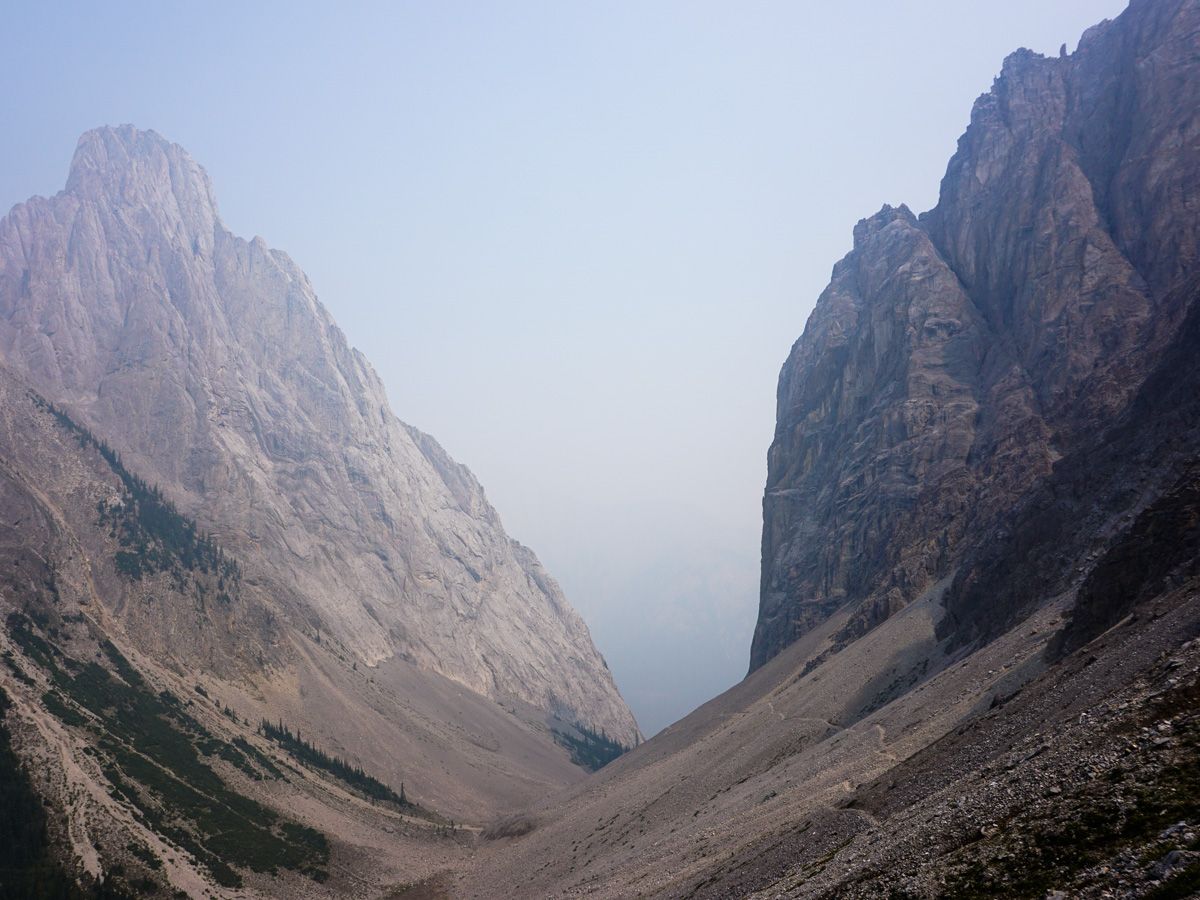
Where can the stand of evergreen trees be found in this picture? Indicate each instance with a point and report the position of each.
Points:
(154, 535)
(593, 750)
(334, 765)
(29, 869)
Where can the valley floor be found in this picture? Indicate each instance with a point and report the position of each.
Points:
(995, 777)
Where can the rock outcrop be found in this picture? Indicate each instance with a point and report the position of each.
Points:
(209, 365)
(962, 364)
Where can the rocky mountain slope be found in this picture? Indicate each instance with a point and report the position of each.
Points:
(976, 669)
(260, 637)
(207, 362)
(153, 692)
(958, 360)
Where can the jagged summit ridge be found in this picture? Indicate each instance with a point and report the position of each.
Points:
(117, 162)
(210, 364)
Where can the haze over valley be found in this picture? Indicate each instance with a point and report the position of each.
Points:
(575, 244)
(266, 635)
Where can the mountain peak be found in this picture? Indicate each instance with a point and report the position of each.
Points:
(214, 369)
(945, 378)
(127, 166)
(882, 219)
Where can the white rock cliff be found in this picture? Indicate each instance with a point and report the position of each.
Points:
(209, 364)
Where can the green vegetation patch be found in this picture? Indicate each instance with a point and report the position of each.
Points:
(145, 854)
(352, 775)
(56, 706)
(154, 536)
(154, 759)
(260, 759)
(29, 868)
(11, 664)
(1128, 809)
(592, 750)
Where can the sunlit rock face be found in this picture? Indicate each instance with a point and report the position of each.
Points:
(209, 364)
(961, 363)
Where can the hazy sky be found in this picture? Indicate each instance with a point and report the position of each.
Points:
(576, 239)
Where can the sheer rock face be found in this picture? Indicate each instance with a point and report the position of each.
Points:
(957, 358)
(209, 364)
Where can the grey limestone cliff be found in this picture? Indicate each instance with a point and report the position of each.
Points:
(960, 359)
(209, 364)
